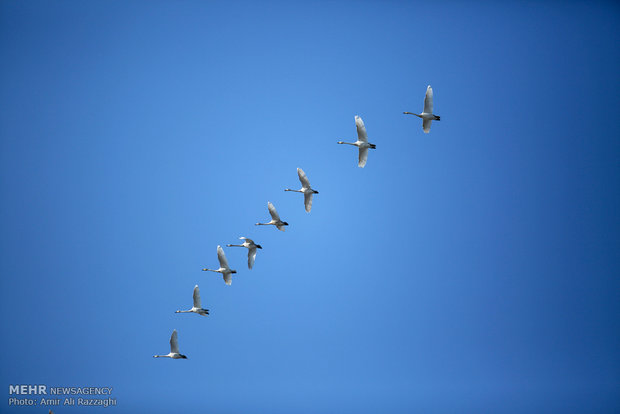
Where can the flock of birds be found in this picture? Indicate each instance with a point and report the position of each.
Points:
(362, 144)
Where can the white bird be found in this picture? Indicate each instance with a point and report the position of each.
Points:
(275, 218)
(251, 246)
(197, 308)
(427, 115)
(307, 191)
(224, 269)
(174, 348)
(361, 143)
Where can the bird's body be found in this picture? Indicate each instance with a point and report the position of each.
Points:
(307, 191)
(275, 218)
(362, 142)
(427, 115)
(224, 269)
(174, 348)
(251, 246)
(197, 308)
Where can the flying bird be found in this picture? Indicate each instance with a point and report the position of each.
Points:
(307, 191)
(361, 143)
(427, 115)
(224, 269)
(197, 308)
(275, 218)
(174, 348)
(251, 246)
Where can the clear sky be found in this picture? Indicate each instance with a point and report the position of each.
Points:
(472, 269)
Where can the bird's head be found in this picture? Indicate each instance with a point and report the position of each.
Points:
(233, 271)
(284, 223)
(340, 142)
(259, 246)
(315, 192)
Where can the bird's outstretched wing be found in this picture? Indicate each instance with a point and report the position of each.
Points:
(361, 129)
(281, 228)
(222, 258)
(426, 125)
(174, 342)
(251, 256)
(227, 278)
(428, 100)
(363, 156)
(196, 297)
(272, 211)
(305, 183)
(308, 201)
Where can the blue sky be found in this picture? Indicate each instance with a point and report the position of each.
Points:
(473, 269)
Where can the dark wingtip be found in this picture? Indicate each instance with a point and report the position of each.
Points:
(259, 246)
